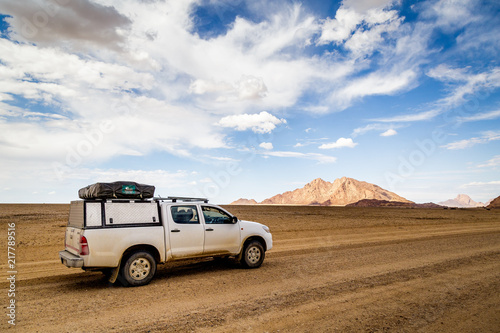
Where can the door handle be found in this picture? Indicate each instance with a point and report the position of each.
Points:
(209, 229)
(175, 230)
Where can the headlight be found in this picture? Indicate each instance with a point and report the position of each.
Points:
(266, 229)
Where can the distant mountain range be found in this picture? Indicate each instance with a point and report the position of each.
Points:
(385, 203)
(348, 191)
(242, 201)
(341, 192)
(462, 201)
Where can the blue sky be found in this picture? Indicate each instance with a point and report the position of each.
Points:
(229, 99)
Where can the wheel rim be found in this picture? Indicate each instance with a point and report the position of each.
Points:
(139, 269)
(253, 254)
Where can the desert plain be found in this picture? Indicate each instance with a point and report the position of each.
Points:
(332, 269)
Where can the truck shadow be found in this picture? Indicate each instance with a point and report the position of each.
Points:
(189, 267)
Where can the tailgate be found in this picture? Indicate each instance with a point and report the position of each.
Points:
(74, 230)
(72, 240)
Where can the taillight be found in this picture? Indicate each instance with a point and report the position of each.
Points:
(84, 246)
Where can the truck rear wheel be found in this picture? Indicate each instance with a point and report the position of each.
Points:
(139, 269)
(253, 255)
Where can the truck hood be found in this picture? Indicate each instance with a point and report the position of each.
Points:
(250, 223)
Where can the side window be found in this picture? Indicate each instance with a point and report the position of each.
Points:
(214, 215)
(184, 214)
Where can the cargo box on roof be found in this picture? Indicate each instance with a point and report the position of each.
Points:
(117, 190)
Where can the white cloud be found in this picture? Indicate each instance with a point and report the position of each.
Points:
(339, 29)
(374, 127)
(465, 83)
(340, 143)
(494, 162)
(474, 184)
(462, 84)
(481, 116)
(263, 122)
(467, 143)
(311, 156)
(68, 23)
(426, 115)
(450, 15)
(376, 83)
(389, 132)
(246, 88)
(347, 25)
(266, 145)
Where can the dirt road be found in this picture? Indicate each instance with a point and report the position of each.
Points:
(332, 269)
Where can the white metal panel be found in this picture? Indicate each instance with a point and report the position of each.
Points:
(93, 212)
(119, 213)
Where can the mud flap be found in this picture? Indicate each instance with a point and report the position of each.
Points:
(114, 274)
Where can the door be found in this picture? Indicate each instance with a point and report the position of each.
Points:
(221, 234)
(186, 231)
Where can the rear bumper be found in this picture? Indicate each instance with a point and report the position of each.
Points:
(70, 260)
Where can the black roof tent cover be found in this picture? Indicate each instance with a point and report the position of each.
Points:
(117, 190)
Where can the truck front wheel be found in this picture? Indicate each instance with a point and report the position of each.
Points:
(253, 255)
(139, 269)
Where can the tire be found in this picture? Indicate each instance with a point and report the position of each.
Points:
(138, 270)
(253, 255)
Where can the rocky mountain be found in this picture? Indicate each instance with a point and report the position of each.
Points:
(341, 192)
(461, 201)
(495, 203)
(242, 201)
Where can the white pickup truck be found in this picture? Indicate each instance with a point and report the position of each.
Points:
(126, 239)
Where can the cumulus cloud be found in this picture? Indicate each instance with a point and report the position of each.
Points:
(263, 122)
(360, 26)
(246, 88)
(389, 132)
(340, 143)
(66, 23)
(450, 15)
(266, 145)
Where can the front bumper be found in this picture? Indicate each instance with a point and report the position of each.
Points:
(70, 260)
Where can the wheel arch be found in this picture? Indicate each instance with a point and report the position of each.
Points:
(142, 247)
(254, 238)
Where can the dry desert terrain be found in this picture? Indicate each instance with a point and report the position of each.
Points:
(332, 269)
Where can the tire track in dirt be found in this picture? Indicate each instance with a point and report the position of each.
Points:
(246, 309)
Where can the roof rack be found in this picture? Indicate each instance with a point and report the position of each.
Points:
(185, 199)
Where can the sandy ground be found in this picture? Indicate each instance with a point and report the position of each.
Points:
(332, 269)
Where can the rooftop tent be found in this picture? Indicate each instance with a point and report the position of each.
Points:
(117, 190)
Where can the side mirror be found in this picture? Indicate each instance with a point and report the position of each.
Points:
(234, 219)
